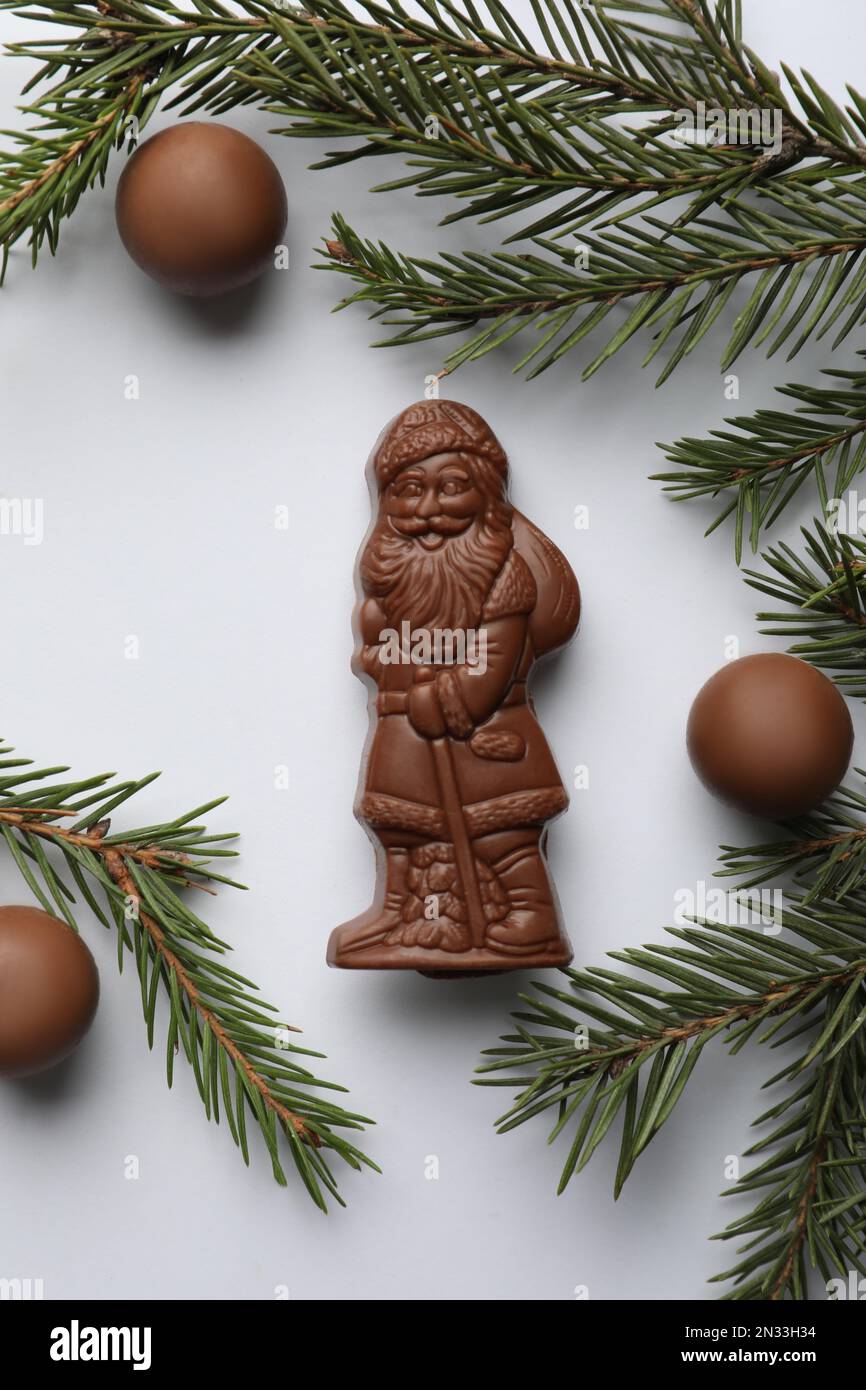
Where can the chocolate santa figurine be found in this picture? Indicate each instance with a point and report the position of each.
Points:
(459, 595)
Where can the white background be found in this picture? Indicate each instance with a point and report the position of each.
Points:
(159, 522)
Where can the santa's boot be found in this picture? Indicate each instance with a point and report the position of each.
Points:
(531, 927)
(372, 927)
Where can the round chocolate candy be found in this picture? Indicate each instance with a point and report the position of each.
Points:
(770, 735)
(201, 208)
(49, 990)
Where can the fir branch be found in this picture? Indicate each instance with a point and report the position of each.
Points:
(54, 163)
(824, 853)
(679, 282)
(615, 1045)
(514, 127)
(582, 134)
(826, 592)
(241, 1055)
(811, 1177)
(764, 459)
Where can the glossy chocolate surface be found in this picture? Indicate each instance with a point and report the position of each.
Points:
(458, 596)
(201, 208)
(770, 735)
(49, 990)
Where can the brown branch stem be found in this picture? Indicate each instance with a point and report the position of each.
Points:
(472, 311)
(63, 161)
(615, 1059)
(116, 858)
(149, 856)
(116, 866)
(801, 1220)
(815, 846)
(799, 455)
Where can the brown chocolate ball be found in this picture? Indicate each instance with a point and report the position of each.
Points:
(201, 207)
(49, 990)
(770, 735)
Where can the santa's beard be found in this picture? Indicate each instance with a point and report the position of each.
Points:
(444, 588)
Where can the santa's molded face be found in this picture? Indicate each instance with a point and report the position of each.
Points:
(433, 500)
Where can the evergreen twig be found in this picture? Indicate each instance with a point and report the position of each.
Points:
(574, 128)
(676, 281)
(613, 1047)
(242, 1056)
(826, 595)
(764, 459)
(824, 853)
